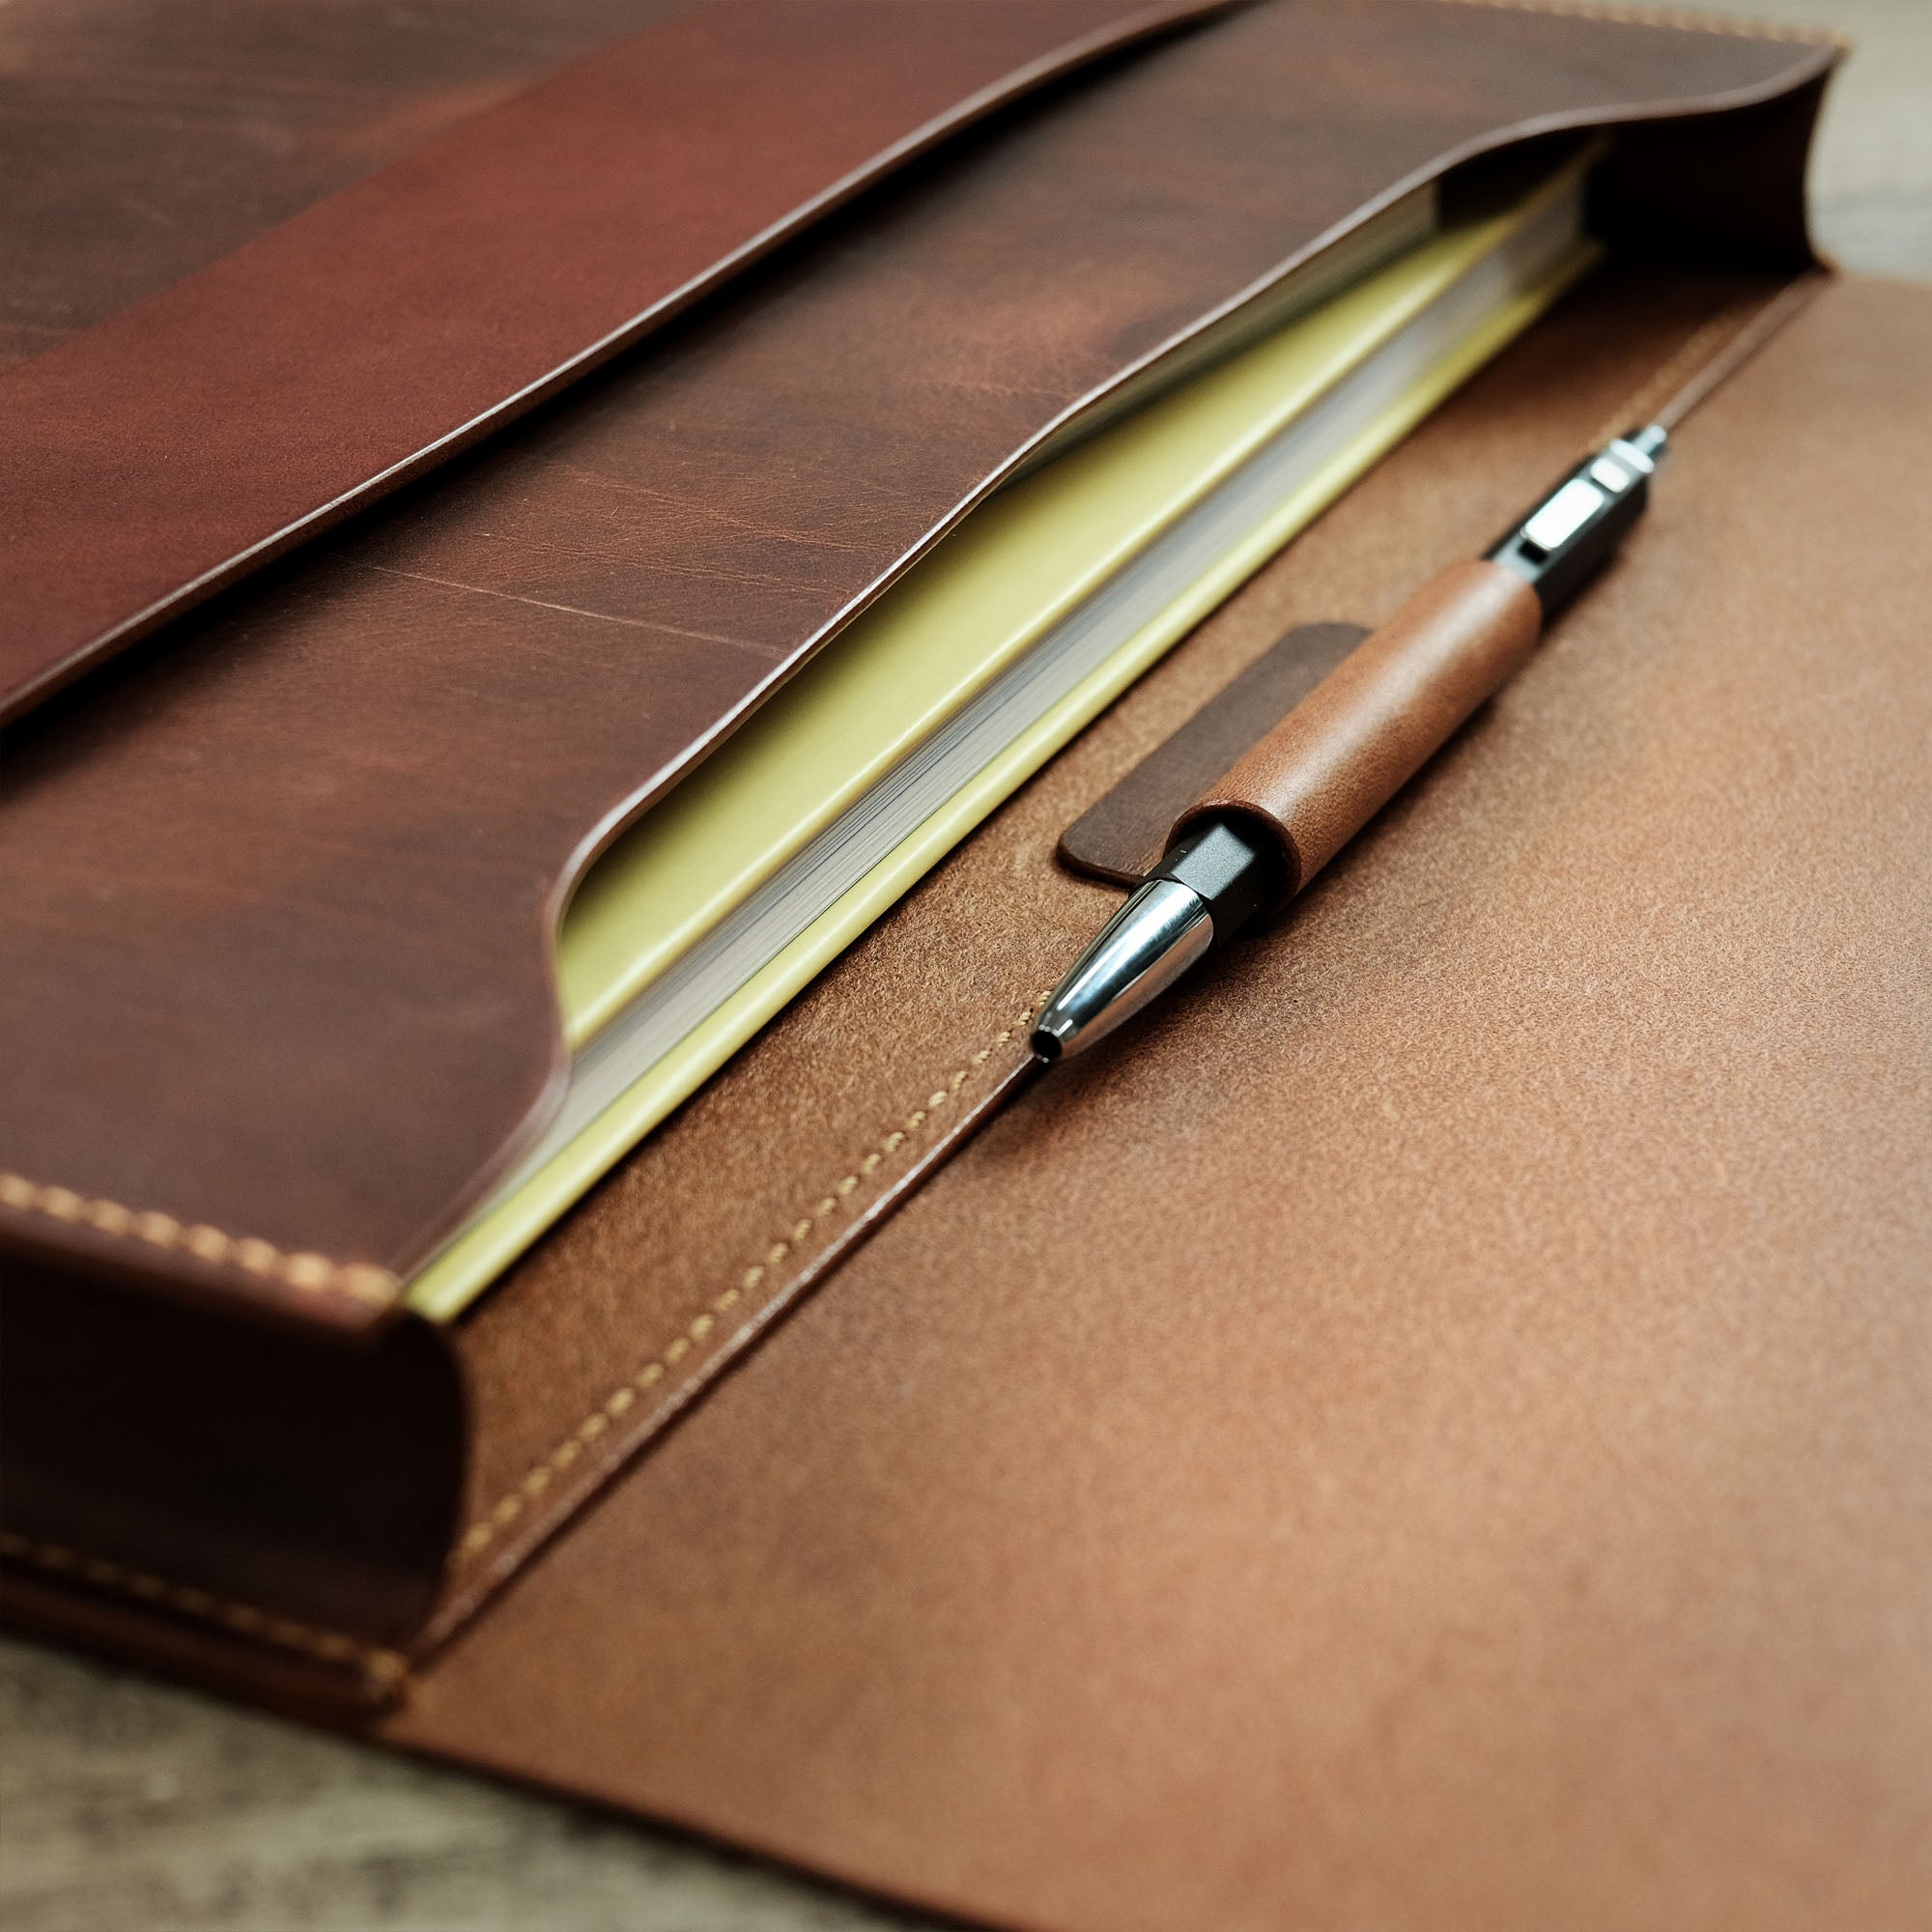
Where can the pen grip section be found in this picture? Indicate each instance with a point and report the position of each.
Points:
(1359, 736)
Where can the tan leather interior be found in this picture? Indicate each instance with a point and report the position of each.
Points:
(1430, 1427)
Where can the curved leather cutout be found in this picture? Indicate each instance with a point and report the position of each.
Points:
(341, 819)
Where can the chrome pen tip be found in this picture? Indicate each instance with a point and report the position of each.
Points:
(1651, 442)
(1053, 1032)
(1160, 932)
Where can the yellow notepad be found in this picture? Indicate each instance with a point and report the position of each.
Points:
(973, 609)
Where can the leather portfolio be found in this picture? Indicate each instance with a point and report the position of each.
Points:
(1429, 1427)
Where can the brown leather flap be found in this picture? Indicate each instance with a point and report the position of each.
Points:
(279, 903)
(169, 450)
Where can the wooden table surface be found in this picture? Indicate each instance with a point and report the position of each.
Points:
(130, 1805)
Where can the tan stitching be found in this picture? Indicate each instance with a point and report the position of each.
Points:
(312, 1273)
(1665, 16)
(1713, 355)
(486, 1529)
(1660, 386)
(384, 1668)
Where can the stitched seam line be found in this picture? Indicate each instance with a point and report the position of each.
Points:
(699, 1330)
(312, 1273)
(1665, 16)
(384, 1668)
(1660, 386)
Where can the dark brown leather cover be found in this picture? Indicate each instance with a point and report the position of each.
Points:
(168, 450)
(296, 1479)
(293, 1010)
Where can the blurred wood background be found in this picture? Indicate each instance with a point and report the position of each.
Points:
(130, 1805)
